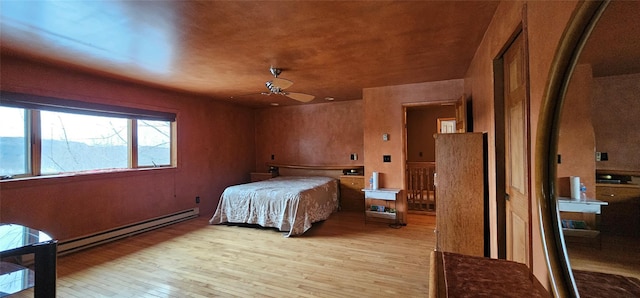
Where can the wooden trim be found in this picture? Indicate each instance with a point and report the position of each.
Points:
(446, 102)
(133, 143)
(48, 103)
(618, 172)
(500, 142)
(437, 284)
(527, 115)
(174, 143)
(499, 145)
(316, 167)
(35, 160)
(59, 179)
(333, 171)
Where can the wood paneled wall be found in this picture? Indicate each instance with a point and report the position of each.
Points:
(317, 134)
(214, 141)
(383, 113)
(421, 125)
(577, 142)
(615, 112)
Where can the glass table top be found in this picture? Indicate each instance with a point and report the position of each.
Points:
(13, 277)
(14, 236)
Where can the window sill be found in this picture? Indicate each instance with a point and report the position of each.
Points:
(31, 181)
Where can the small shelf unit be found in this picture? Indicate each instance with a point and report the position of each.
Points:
(388, 197)
(589, 209)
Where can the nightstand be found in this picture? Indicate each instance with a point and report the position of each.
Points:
(261, 176)
(381, 203)
(583, 211)
(351, 195)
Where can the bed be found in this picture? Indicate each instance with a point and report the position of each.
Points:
(289, 203)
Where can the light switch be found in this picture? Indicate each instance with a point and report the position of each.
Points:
(385, 137)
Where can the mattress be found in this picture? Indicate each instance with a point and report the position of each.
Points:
(289, 203)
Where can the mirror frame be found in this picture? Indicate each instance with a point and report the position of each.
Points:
(581, 23)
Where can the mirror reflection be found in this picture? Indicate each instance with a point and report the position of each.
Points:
(599, 149)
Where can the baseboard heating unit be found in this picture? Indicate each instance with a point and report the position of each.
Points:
(76, 244)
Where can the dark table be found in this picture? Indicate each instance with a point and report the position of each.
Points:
(17, 240)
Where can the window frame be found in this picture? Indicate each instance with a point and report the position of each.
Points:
(134, 151)
(33, 104)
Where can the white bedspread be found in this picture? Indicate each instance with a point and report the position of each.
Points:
(289, 203)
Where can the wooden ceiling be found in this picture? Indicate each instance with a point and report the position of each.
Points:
(223, 49)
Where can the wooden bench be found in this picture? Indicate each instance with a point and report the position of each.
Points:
(456, 275)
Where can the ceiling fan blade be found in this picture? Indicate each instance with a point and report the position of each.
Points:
(300, 96)
(247, 94)
(281, 83)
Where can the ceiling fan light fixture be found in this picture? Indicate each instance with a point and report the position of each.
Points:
(275, 71)
(277, 85)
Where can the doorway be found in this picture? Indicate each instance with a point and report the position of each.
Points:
(421, 122)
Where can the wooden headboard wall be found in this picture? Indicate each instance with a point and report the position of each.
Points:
(334, 171)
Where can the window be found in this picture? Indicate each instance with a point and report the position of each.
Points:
(14, 145)
(71, 136)
(73, 143)
(154, 143)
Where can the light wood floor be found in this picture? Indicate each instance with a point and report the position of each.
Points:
(617, 255)
(341, 257)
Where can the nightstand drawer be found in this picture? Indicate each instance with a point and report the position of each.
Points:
(351, 195)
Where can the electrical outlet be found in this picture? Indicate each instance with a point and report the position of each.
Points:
(386, 158)
(273, 156)
(197, 200)
(604, 156)
(559, 159)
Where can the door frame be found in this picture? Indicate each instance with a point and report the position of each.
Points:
(499, 134)
(405, 137)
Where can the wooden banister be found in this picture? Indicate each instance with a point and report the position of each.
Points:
(421, 191)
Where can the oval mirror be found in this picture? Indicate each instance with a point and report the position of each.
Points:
(589, 166)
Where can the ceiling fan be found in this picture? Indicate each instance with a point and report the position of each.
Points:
(277, 85)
